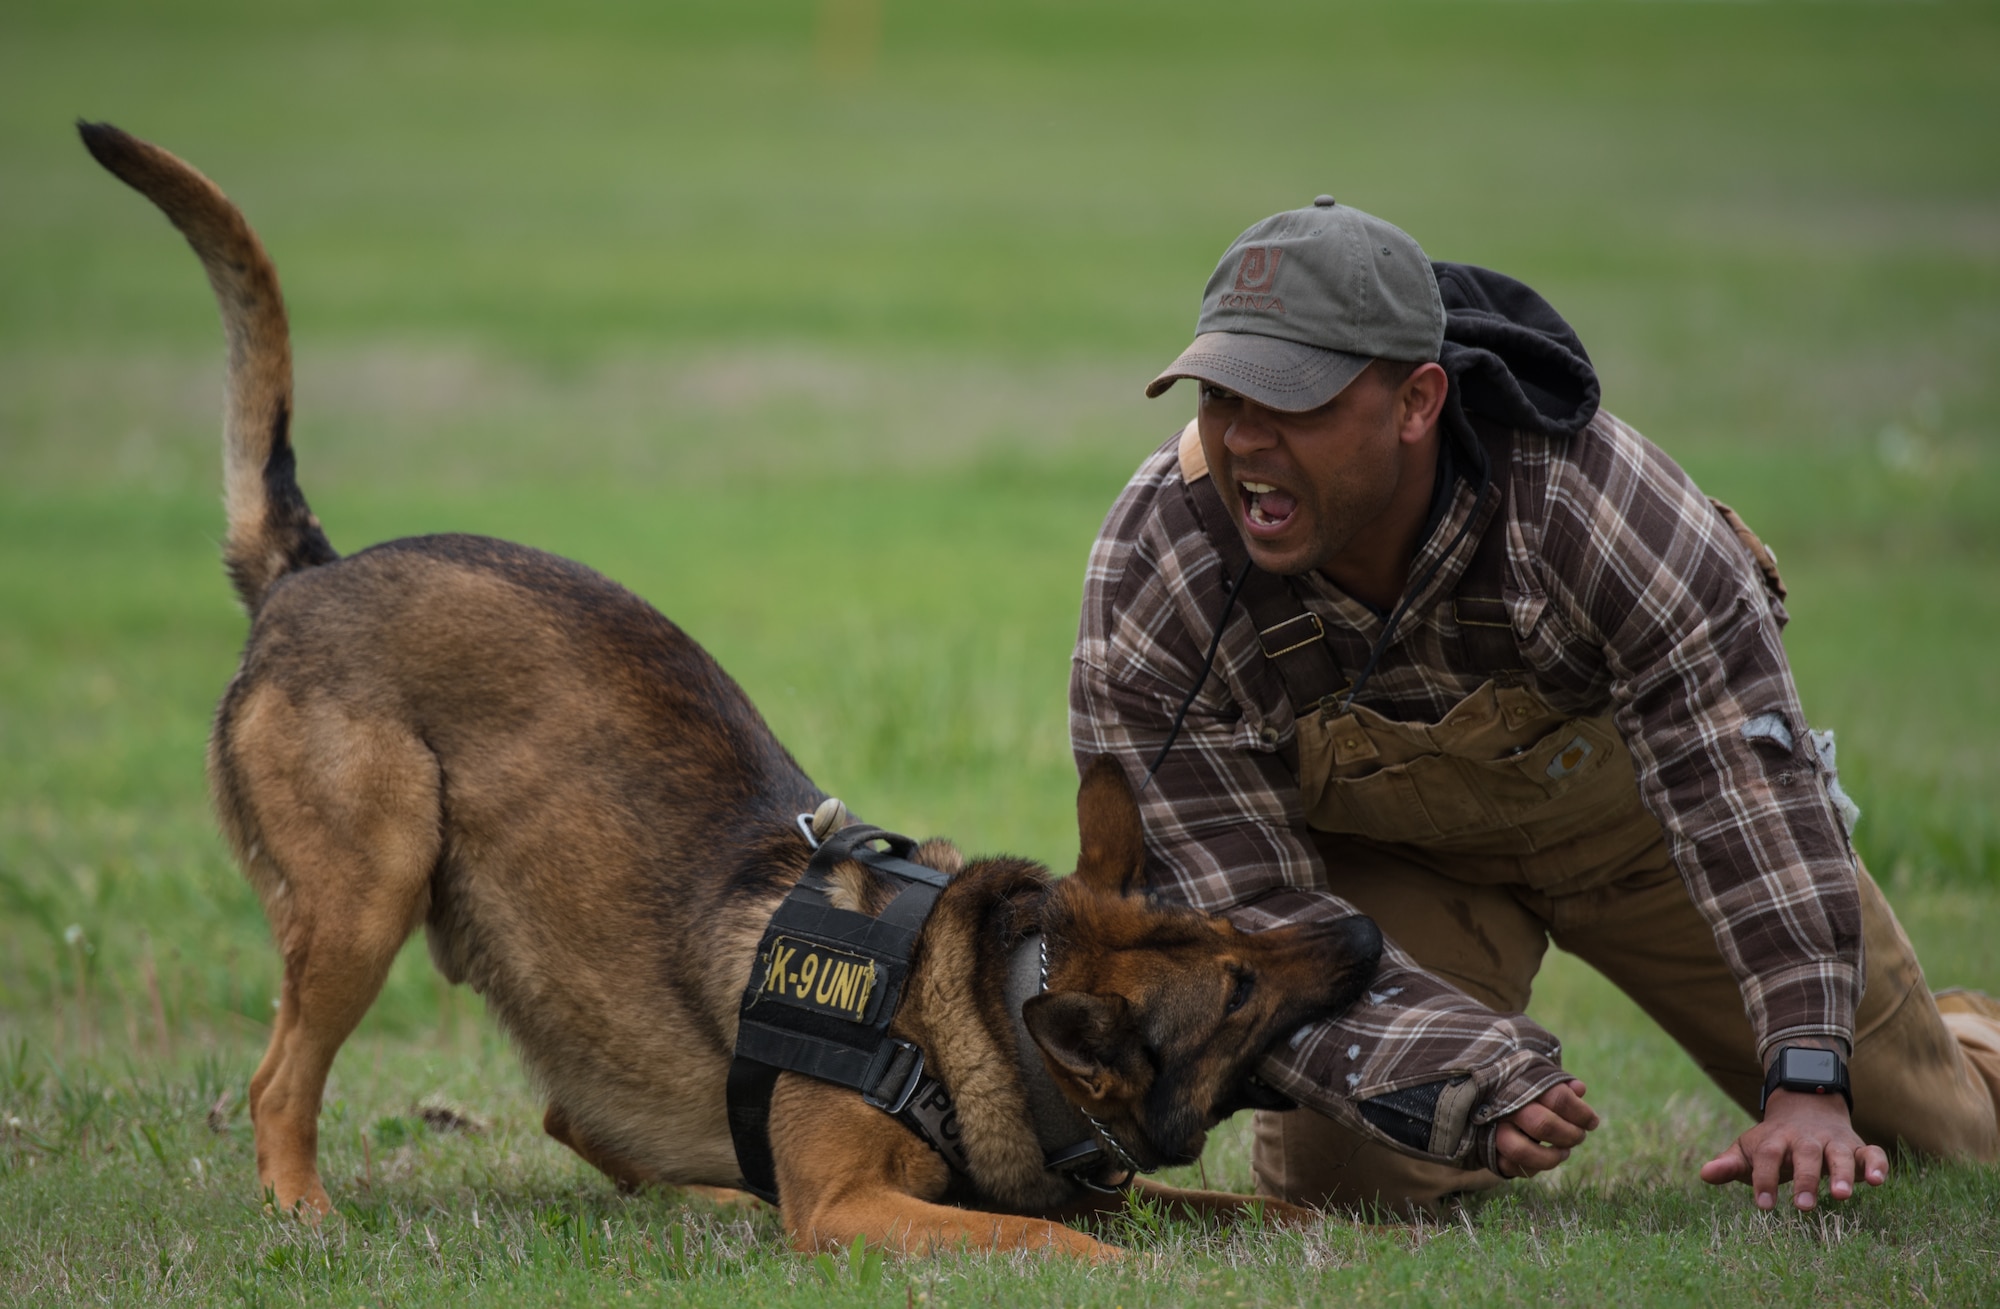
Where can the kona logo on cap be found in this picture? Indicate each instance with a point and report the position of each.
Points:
(1258, 268)
(1256, 275)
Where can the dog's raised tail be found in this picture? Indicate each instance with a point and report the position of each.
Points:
(272, 531)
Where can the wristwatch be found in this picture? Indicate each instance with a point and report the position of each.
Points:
(1808, 1071)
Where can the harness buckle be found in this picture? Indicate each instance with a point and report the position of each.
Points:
(1082, 1163)
(886, 1068)
(1318, 633)
(1070, 1158)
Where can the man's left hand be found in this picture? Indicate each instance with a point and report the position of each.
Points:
(1802, 1137)
(1539, 1135)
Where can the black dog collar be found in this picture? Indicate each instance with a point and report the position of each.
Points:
(1065, 1132)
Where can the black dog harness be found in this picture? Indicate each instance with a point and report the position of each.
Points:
(823, 992)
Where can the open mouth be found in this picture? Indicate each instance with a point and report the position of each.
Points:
(1265, 507)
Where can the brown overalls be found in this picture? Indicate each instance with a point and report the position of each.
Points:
(1476, 840)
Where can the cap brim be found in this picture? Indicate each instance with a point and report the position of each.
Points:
(1282, 375)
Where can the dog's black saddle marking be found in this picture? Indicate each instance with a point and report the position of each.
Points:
(823, 992)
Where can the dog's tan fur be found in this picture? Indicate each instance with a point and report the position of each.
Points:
(593, 825)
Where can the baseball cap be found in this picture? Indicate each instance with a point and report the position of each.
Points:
(1305, 300)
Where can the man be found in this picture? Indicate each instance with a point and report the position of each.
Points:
(1404, 623)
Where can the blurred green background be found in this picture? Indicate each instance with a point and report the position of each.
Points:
(823, 326)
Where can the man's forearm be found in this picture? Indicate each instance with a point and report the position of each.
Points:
(1223, 835)
(1419, 1066)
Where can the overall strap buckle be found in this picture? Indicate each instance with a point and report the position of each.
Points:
(1297, 639)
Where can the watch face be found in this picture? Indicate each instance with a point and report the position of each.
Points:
(1811, 1066)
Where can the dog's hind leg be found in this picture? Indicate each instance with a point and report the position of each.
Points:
(337, 819)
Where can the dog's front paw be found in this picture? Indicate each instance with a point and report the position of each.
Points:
(723, 1197)
(309, 1205)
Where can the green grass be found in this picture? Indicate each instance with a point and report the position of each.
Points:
(837, 360)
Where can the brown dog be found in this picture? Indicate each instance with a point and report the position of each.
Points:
(593, 825)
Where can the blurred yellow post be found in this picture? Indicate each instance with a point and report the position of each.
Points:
(850, 35)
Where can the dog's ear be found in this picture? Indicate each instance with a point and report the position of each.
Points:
(1113, 845)
(1086, 1036)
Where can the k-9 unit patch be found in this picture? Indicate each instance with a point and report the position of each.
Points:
(808, 975)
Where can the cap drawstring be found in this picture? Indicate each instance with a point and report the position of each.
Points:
(1207, 663)
(1375, 653)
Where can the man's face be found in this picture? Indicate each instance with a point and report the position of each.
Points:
(1302, 487)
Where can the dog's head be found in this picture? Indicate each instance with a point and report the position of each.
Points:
(1155, 1015)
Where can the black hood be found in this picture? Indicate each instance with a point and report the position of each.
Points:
(1511, 358)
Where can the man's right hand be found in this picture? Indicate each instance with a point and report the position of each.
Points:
(1539, 1135)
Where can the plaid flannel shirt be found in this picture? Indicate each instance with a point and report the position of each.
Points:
(1628, 592)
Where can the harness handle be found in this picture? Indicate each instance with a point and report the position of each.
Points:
(854, 842)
